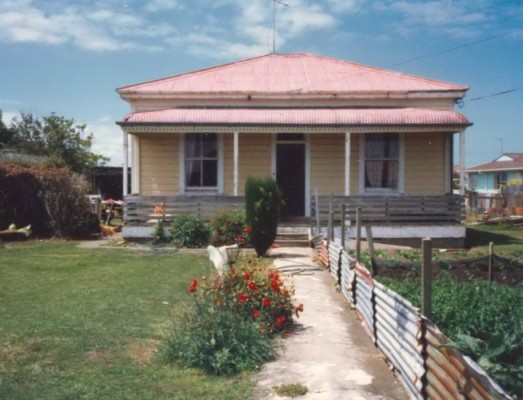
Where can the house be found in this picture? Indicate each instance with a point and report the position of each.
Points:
(492, 182)
(493, 177)
(319, 126)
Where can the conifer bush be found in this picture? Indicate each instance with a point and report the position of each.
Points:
(263, 202)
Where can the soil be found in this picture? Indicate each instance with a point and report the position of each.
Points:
(505, 270)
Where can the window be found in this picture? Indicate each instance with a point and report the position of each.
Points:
(201, 160)
(381, 161)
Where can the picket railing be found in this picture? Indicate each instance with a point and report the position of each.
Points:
(420, 354)
(143, 210)
(391, 210)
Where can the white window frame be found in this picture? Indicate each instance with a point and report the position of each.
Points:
(401, 168)
(207, 190)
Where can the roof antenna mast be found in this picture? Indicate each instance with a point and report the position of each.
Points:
(274, 5)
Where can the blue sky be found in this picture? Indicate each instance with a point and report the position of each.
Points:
(68, 57)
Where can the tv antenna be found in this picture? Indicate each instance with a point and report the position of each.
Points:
(275, 3)
(500, 144)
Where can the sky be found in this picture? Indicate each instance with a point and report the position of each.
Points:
(68, 57)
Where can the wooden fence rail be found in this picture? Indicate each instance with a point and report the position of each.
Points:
(142, 210)
(393, 209)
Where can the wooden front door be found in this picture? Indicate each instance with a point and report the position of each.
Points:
(290, 176)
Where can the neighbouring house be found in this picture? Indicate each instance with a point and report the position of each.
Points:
(494, 183)
(325, 129)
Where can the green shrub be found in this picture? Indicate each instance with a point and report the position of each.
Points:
(218, 341)
(263, 201)
(189, 231)
(21, 200)
(52, 200)
(65, 196)
(233, 318)
(226, 227)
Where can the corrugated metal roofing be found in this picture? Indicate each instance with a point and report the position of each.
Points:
(515, 164)
(336, 116)
(290, 74)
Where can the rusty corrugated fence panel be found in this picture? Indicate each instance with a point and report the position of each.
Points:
(334, 260)
(348, 277)
(399, 336)
(449, 371)
(324, 254)
(426, 366)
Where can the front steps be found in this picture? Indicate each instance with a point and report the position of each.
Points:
(293, 236)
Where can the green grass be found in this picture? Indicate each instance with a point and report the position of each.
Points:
(506, 238)
(87, 324)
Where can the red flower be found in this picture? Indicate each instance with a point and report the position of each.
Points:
(255, 314)
(262, 329)
(193, 286)
(248, 229)
(298, 310)
(239, 239)
(252, 285)
(242, 297)
(275, 286)
(246, 277)
(266, 302)
(280, 321)
(275, 276)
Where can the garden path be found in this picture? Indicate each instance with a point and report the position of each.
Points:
(328, 351)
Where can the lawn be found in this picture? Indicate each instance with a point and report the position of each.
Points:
(89, 324)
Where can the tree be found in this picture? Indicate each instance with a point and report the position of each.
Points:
(58, 138)
(6, 134)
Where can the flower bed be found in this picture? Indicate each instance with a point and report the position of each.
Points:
(233, 318)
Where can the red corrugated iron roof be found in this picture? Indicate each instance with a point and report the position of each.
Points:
(516, 163)
(291, 74)
(301, 116)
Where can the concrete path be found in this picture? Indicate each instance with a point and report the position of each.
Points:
(329, 351)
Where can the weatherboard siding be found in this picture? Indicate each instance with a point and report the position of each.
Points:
(327, 163)
(425, 172)
(254, 159)
(159, 166)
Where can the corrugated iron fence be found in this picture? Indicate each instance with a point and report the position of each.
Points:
(420, 354)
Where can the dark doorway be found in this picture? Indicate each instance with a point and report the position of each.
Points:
(290, 176)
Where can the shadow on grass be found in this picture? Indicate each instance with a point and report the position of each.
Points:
(481, 237)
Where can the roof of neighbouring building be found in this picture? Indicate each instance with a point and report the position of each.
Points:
(291, 74)
(505, 162)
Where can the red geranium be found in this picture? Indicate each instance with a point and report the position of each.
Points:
(252, 285)
(255, 314)
(248, 229)
(280, 321)
(246, 277)
(242, 297)
(193, 286)
(266, 302)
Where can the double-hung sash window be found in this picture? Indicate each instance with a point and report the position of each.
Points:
(382, 162)
(201, 161)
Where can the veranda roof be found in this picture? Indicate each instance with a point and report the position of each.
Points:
(299, 116)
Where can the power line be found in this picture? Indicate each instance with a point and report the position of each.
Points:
(493, 94)
(458, 47)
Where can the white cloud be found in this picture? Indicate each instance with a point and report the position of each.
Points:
(9, 116)
(233, 27)
(107, 140)
(438, 12)
(161, 5)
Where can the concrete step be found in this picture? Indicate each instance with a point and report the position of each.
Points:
(293, 237)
